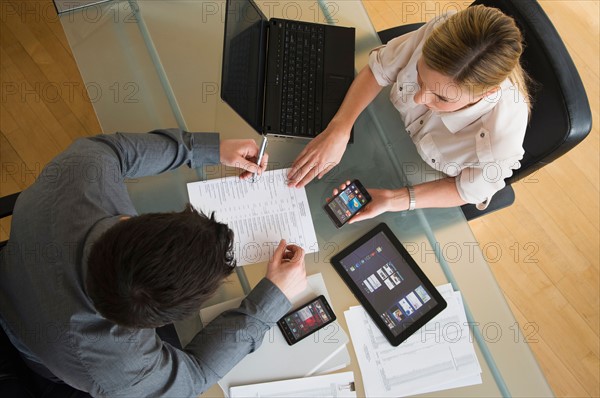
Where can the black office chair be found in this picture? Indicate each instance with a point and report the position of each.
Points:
(560, 116)
(7, 204)
(15, 379)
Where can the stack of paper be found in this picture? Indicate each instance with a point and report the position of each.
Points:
(437, 357)
(324, 351)
(329, 386)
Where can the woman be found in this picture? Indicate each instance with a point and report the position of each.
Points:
(461, 92)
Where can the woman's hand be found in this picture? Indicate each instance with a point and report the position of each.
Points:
(382, 200)
(326, 149)
(243, 154)
(323, 153)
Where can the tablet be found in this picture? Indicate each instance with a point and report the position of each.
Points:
(388, 283)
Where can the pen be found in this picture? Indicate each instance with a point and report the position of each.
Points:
(261, 153)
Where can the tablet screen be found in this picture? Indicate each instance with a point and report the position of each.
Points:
(388, 282)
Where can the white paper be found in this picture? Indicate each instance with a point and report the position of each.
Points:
(275, 359)
(315, 286)
(438, 356)
(260, 213)
(328, 386)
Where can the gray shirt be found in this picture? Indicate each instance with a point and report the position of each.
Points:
(44, 307)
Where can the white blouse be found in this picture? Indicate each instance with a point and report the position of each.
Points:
(480, 145)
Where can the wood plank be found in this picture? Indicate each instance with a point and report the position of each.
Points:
(11, 180)
(27, 100)
(41, 19)
(574, 227)
(558, 255)
(550, 363)
(533, 292)
(62, 94)
(582, 40)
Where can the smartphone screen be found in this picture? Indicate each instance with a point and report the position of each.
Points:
(347, 203)
(306, 320)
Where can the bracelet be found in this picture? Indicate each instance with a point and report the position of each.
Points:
(412, 202)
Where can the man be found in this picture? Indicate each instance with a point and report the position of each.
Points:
(84, 280)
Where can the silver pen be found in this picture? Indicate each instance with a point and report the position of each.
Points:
(261, 153)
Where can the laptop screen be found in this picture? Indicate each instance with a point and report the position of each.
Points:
(244, 54)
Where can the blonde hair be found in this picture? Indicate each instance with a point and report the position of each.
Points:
(478, 48)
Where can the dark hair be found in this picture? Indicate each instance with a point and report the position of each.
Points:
(154, 269)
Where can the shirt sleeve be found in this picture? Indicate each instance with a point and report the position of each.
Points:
(478, 184)
(388, 60)
(140, 155)
(234, 334)
(499, 148)
(156, 369)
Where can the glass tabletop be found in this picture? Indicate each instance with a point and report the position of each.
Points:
(156, 64)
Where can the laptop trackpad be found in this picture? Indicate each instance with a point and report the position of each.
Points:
(336, 87)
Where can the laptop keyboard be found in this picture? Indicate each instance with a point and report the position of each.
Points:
(302, 78)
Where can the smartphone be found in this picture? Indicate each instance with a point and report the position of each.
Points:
(306, 320)
(347, 203)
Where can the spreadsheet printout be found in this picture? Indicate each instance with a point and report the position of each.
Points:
(260, 213)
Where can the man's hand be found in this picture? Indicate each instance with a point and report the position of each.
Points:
(286, 269)
(243, 154)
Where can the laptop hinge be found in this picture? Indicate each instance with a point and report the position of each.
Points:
(272, 103)
(266, 78)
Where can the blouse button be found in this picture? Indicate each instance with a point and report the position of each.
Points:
(432, 160)
(482, 135)
(400, 88)
(421, 122)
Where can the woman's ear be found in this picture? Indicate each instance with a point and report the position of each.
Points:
(492, 92)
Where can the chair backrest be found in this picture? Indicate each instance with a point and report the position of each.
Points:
(15, 377)
(561, 115)
(7, 204)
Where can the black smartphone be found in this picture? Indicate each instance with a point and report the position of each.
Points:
(347, 203)
(306, 320)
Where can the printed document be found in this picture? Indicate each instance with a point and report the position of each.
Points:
(260, 213)
(438, 356)
(275, 359)
(328, 386)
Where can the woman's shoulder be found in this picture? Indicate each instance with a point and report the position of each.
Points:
(510, 109)
(507, 121)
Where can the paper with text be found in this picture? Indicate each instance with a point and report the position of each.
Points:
(260, 213)
(275, 359)
(335, 385)
(439, 356)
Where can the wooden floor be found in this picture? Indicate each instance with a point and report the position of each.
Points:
(548, 240)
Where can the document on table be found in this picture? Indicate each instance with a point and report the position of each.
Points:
(275, 359)
(439, 356)
(260, 213)
(328, 386)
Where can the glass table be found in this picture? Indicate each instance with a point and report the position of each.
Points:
(156, 64)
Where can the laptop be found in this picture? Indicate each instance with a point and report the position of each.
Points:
(284, 77)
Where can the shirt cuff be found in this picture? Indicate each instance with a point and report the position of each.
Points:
(271, 301)
(205, 149)
(478, 194)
